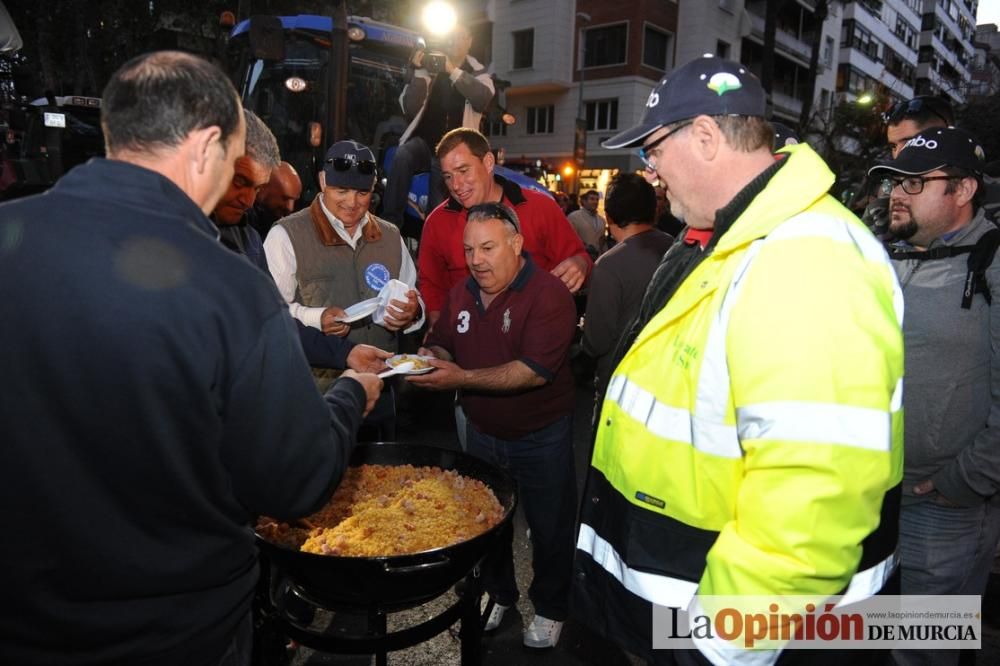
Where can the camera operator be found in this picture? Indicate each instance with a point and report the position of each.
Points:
(447, 89)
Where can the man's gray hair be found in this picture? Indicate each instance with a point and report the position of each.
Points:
(262, 147)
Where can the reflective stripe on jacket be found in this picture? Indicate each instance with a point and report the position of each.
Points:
(750, 441)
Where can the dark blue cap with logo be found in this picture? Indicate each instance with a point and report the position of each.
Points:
(935, 149)
(708, 86)
(350, 164)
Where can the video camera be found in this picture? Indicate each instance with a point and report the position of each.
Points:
(436, 54)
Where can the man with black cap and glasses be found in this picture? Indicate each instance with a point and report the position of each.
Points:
(335, 253)
(903, 121)
(749, 439)
(950, 518)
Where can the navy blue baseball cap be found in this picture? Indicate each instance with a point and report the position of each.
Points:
(350, 164)
(708, 86)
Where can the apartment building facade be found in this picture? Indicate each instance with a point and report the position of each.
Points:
(566, 59)
(598, 61)
(946, 48)
(800, 26)
(985, 68)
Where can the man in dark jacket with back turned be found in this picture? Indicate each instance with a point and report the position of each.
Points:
(156, 398)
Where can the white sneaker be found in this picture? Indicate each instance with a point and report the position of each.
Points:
(542, 632)
(495, 618)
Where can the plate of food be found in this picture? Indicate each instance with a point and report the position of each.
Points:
(420, 363)
(359, 310)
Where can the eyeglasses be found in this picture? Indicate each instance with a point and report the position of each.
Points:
(915, 107)
(646, 152)
(910, 184)
(366, 167)
(495, 211)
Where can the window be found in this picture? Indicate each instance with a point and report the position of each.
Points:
(857, 37)
(606, 45)
(853, 80)
(541, 119)
(602, 115)
(656, 48)
(524, 48)
(722, 49)
(905, 32)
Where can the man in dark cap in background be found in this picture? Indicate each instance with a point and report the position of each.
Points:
(945, 259)
(903, 121)
(745, 444)
(335, 254)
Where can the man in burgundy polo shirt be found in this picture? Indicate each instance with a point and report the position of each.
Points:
(467, 169)
(503, 341)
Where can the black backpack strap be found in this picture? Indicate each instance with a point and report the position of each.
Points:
(923, 255)
(980, 259)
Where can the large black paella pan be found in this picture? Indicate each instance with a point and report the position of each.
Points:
(403, 581)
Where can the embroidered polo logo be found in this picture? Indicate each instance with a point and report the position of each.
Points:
(463, 321)
(376, 276)
(506, 321)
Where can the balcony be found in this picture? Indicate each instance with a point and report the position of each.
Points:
(944, 85)
(786, 104)
(784, 42)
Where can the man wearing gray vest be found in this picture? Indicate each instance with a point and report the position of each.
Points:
(335, 254)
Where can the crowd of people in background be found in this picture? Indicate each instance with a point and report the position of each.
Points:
(747, 332)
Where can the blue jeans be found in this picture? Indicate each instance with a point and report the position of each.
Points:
(945, 550)
(542, 464)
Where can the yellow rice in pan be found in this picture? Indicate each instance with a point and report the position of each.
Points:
(381, 510)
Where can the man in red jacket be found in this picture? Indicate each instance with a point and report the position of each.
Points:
(467, 168)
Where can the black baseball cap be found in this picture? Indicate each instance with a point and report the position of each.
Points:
(350, 164)
(935, 149)
(708, 85)
(784, 135)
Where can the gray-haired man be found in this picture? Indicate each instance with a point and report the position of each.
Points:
(252, 172)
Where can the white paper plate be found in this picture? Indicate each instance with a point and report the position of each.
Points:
(359, 310)
(393, 361)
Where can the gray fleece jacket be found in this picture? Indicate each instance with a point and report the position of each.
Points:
(951, 389)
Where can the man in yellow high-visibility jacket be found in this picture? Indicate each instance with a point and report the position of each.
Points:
(750, 440)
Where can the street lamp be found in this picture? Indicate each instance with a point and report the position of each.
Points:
(580, 133)
(439, 18)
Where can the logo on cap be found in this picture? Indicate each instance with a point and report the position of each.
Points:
(724, 82)
(921, 142)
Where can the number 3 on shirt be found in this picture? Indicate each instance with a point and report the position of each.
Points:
(463, 321)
